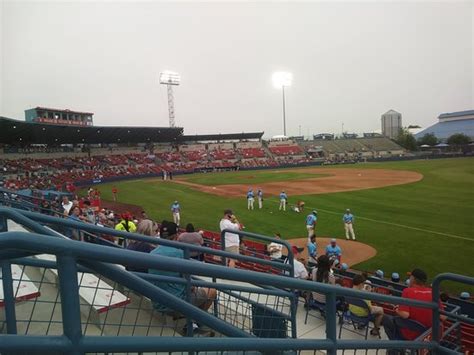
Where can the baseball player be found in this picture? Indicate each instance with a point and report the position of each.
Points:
(311, 221)
(260, 198)
(175, 209)
(283, 201)
(348, 220)
(250, 199)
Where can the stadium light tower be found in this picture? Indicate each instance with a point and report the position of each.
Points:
(281, 80)
(170, 79)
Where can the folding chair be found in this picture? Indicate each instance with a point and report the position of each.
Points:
(357, 322)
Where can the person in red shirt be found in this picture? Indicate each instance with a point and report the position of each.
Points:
(417, 290)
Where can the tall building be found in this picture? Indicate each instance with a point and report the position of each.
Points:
(391, 124)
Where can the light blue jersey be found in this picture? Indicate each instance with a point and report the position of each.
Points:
(336, 250)
(348, 218)
(175, 207)
(312, 249)
(283, 196)
(250, 194)
(311, 219)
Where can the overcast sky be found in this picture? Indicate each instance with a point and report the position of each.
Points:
(351, 62)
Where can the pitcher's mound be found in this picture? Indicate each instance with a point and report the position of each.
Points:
(353, 252)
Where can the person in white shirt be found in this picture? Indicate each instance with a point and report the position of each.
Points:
(300, 271)
(67, 205)
(274, 249)
(231, 240)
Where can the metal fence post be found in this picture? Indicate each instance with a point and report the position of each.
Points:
(331, 321)
(9, 297)
(70, 306)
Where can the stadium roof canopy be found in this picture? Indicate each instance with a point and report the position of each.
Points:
(14, 132)
(457, 114)
(220, 137)
(443, 130)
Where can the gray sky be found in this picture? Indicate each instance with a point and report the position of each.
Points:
(351, 62)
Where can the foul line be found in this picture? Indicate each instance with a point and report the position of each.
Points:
(394, 224)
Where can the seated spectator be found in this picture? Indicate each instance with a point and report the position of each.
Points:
(191, 237)
(274, 249)
(66, 205)
(300, 271)
(89, 212)
(379, 274)
(333, 251)
(145, 227)
(417, 290)
(323, 274)
(358, 284)
(465, 296)
(200, 297)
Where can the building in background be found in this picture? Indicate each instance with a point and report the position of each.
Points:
(451, 123)
(58, 117)
(391, 124)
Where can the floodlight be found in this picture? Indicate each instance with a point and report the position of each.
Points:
(281, 79)
(170, 78)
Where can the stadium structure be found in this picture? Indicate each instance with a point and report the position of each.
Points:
(78, 295)
(451, 123)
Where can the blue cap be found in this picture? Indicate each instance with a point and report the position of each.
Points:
(465, 295)
(395, 276)
(344, 266)
(379, 273)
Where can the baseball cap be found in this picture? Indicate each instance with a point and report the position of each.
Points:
(296, 249)
(333, 240)
(395, 277)
(344, 266)
(168, 229)
(464, 295)
(228, 211)
(419, 275)
(314, 212)
(348, 210)
(379, 273)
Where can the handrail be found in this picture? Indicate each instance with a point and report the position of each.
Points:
(20, 217)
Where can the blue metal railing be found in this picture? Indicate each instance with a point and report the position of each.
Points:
(73, 257)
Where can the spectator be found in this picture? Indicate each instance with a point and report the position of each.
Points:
(74, 215)
(145, 227)
(66, 205)
(191, 237)
(231, 240)
(333, 251)
(200, 297)
(125, 225)
(358, 284)
(312, 252)
(274, 249)
(323, 274)
(299, 269)
(89, 212)
(45, 207)
(417, 290)
(465, 296)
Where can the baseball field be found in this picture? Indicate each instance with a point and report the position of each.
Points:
(413, 213)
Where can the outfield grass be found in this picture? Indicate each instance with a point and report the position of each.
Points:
(426, 224)
(252, 178)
